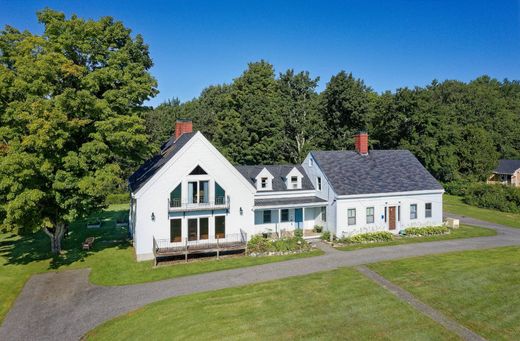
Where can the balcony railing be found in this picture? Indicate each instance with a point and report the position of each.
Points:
(176, 205)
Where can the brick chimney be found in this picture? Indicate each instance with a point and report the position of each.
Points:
(361, 140)
(182, 126)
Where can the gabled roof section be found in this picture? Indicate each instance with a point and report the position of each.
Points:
(279, 173)
(507, 166)
(152, 165)
(381, 171)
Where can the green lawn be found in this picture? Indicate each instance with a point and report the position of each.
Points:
(465, 231)
(455, 205)
(111, 259)
(333, 305)
(480, 289)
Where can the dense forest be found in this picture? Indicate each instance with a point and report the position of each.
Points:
(458, 130)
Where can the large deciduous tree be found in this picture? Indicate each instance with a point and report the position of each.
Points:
(303, 124)
(69, 131)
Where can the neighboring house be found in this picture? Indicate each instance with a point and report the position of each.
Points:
(190, 193)
(507, 173)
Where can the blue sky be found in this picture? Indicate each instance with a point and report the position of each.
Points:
(388, 44)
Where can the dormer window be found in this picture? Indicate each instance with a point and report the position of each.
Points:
(294, 181)
(264, 180)
(263, 183)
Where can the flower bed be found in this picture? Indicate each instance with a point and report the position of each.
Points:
(426, 231)
(260, 246)
(371, 237)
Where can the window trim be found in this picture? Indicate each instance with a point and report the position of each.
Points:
(370, 215)
(351, 217)
(428, 211)
(413, 213)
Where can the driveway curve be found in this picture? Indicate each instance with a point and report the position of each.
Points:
(65, 305)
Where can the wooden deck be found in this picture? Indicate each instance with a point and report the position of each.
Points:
(165, 249)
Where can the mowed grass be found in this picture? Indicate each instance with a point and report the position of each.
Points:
(111, 259)
(454, 204)
(465, 231)
(479, 289)
(333, 305)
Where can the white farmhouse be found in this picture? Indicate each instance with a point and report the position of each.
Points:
(190, 194)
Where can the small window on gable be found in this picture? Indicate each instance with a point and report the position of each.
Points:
(311, 161)
(318, 183)
(263, 182)
(198, 171)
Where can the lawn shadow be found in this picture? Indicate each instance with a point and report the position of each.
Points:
(21, 250)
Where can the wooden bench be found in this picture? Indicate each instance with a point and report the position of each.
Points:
(87, 244)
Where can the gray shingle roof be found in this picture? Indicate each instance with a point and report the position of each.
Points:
(151, 166)
(279, 172)
(507, 166)
(289, 201)
(381, 171)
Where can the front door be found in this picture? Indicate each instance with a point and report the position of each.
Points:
(391, 217)
(298, 217)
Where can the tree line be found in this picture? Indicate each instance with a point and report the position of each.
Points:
(457, 130)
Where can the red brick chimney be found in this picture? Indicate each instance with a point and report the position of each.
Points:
(362, 143)
(182, 126)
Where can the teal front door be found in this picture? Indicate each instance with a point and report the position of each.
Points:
(298, 217)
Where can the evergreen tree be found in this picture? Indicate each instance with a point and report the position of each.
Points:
(345, 109)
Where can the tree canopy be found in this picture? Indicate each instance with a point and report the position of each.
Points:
(457, 130)
(70, 127)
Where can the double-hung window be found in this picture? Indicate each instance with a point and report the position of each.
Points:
(294, 181)
(428, 210)
(351, 216)
(267, 216)
(370, 215)
(263, 182)
(413, 211)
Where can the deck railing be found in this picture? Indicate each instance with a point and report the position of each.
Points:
(165, 245)
(175, 205)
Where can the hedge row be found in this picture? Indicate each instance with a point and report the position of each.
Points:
(497, 197)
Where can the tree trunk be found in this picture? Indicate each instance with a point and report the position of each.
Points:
(56, 235)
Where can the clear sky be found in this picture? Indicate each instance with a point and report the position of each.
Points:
(389, 44)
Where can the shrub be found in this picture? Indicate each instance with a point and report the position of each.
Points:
(370, 237)
(458, 187)
(325, 235)
(497, 197)
(426, 231)
(120, 198)
(298, 233)
(259, 244)
(317, 228)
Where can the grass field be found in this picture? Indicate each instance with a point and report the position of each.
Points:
(111, 259)
(455, 205)
(480, 289)
(465, 231)
(334, 305)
